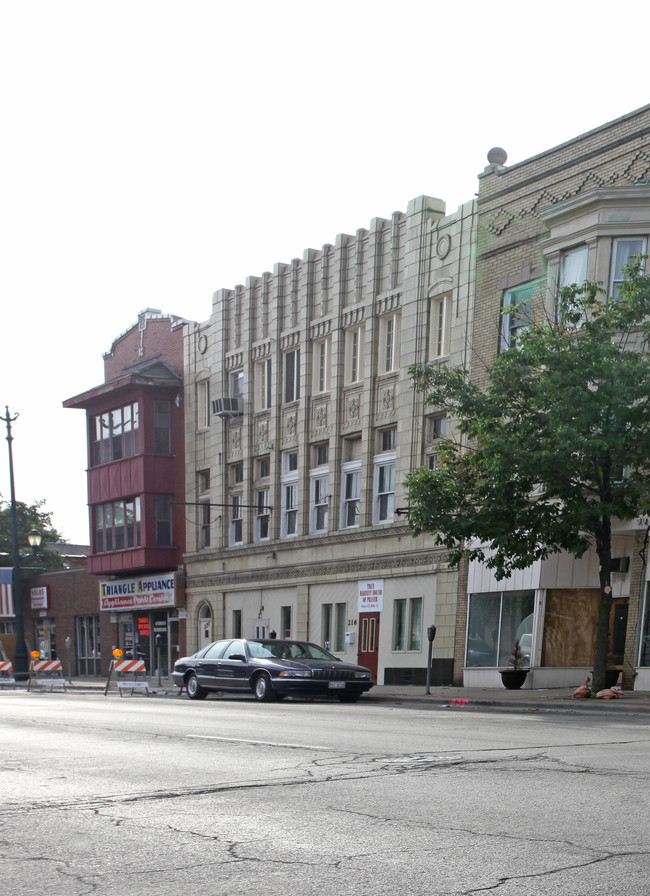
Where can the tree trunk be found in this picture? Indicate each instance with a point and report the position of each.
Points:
(601, 647)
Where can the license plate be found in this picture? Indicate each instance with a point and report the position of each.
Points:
(336, 684)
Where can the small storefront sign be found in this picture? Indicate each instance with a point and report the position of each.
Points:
(40, 597)
(371, 596)
(146, 592)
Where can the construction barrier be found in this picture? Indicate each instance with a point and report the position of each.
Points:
(7, 672)
(132, 668)
(46, 673)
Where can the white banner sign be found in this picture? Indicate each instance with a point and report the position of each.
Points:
(371, 596)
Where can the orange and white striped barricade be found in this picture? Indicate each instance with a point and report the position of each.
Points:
(46, 673)
(133, 669)
(7, 672)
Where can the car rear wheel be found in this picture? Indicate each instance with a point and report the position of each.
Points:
(263, 689)
(194, 689)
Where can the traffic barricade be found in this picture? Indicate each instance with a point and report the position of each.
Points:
(131, 668)
(45, 673)
(7, 673)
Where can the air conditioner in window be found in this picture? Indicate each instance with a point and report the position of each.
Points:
(227, 407)
(620, 564)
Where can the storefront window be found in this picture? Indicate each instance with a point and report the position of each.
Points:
(496, 621)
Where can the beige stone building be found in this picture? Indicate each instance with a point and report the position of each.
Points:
(574, 212)
(301, 425)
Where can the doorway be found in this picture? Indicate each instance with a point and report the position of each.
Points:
(369, 643)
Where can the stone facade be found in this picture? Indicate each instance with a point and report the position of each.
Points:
(301, 425)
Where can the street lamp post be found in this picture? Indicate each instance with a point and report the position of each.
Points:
(34, 538)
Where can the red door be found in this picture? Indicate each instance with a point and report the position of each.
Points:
(369, 642)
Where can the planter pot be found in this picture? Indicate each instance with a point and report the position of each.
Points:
(513, 679)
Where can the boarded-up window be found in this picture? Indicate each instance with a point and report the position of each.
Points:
(570, 627)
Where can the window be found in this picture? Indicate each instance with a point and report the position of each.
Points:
(351, 503)
(320, 501)
(202, 404)
(515, 314)
(496, 621)
(236, 385)
(387, 439)
(162, 434)
(163, 518)
(439, 326)
(622, 253)
(333, 627)
(292, 376)
(117, 525)
(236, 624)
(437, 427)
(262, 515)
(573, 266)
(384, 489)
(322, 363)
(353, 355)
(263, 384)
(321, 454)
(204, 512)
(236, 473)
(407, 624)
(285, 622)
(114, 434)
(236, 520)
(388, 342)
(263, 467)
(289, 524)
(203, 481)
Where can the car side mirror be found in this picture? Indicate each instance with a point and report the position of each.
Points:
(237, 656)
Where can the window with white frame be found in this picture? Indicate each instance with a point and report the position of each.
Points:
(387, 439)
(292, 375)
(334, 617)
(285, 622)
(262, 515)
(263, 384)
(351, 494)
(573, 266)
(319, 499)
(289, 524)
(236, 519)
(515, 314)
(236, 386)
(407, 624)
(322, 365)
(436, 430)
(623, 252)
(353, 355)
(388, 358)
(439, 326)
(384, 489)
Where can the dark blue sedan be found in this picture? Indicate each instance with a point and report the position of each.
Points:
(271, 669)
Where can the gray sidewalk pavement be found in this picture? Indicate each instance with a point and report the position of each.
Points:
(440, 696)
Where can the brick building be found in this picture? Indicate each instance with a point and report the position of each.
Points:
(574, 212)
(136, 490)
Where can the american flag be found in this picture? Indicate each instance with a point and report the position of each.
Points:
(6, 591)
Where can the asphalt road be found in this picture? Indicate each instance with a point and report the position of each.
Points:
(108, 795)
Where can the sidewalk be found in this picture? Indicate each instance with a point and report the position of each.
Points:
(528, 699)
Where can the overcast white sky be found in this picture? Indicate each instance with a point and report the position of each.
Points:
(153, 152)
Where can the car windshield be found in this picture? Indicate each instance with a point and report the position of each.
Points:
(295, 650)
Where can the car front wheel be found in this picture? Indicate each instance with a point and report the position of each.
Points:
(194, 689)
(263, 689)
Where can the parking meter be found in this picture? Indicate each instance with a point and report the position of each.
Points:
(159, 641)
(431, 633)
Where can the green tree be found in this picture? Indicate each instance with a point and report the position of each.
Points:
(29, 516)
(556, 446)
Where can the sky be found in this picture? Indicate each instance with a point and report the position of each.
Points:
(153, 152)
